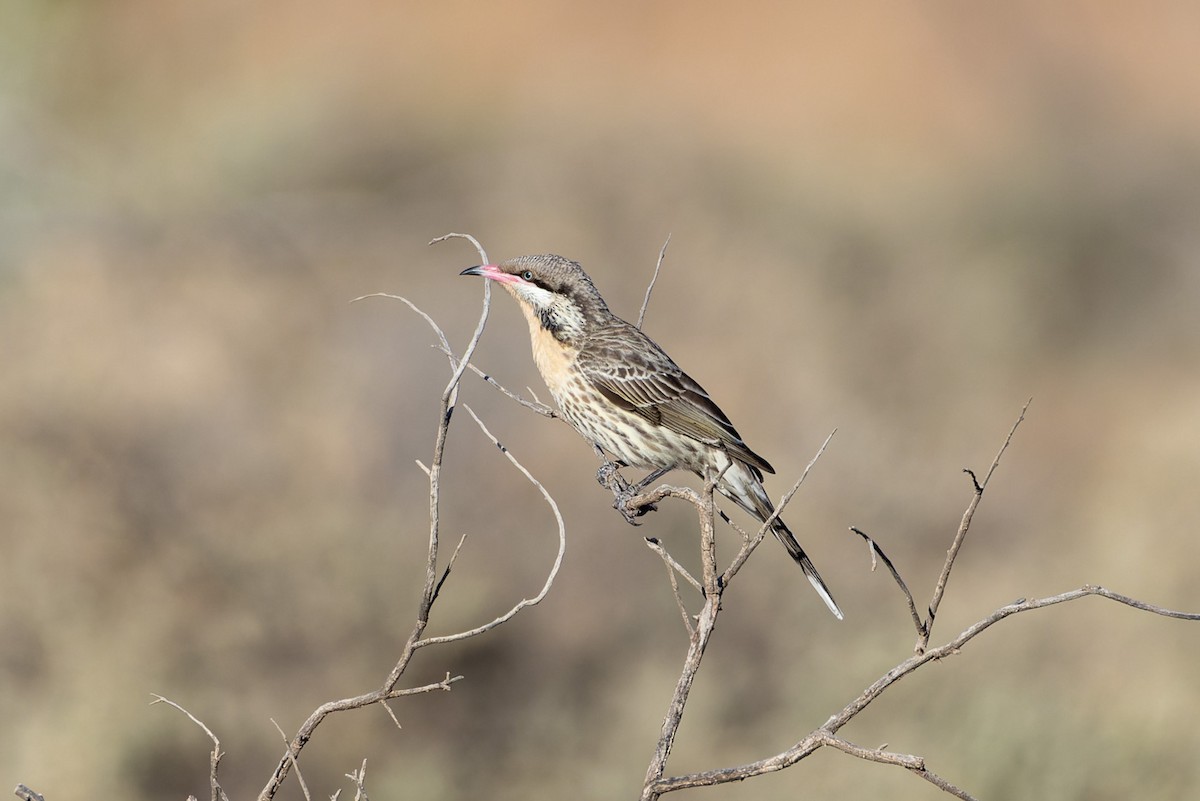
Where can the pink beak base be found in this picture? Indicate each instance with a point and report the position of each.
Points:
(493, 272)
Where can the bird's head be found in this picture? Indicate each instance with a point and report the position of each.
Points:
(553, 292)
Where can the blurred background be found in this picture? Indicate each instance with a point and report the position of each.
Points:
(900, 221)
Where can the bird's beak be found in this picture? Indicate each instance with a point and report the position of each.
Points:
(493, 272)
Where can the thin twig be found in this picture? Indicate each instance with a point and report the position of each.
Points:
(914, 764)
(437, 329)
(673, 566)
(391, 713)
(871, 754)
(444, 684)
(452, 387)
(819, 737)
(877, 551)
(653, 280)
(214, 760)
(534, 405)
(359, 777)
(295, 767)
(562, 546)
(940, 588)
(750, 544)
(449, 565)
(658, 548)
(432, 581)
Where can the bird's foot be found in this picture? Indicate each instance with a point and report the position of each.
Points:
(609, 476)
(623, 503)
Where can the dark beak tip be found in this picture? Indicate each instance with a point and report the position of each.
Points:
(476, 270)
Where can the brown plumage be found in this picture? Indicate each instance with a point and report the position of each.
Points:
(620, 390)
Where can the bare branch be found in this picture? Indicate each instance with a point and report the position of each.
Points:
(821, 736)
(295, 767)
(452, 235)
(433, 583)
(915, 764)
(658, 548)
(359, 777)
(750, 544)
(657, 266)
(943, 785)
(444, 684)
(391, 713)
(713, 584)
(673, 567)
(451, 391)
(534, 405)
(214, 761)
(437, 329)
(700, 634)
(872, 754)
(940, 588)
(562, 546)
(699, 642)
(449, 565)
(877, 551)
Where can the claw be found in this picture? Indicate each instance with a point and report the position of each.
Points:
(610, 478)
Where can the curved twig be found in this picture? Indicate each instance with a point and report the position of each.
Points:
(876, 551)
(562, 547)
(432, 583)
(214, 760)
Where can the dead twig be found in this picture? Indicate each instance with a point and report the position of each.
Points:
(562, 546)
(359, 777)
(214, 760)
(434, 579)
(674, 568)
(292, 758)
(876, 551)
(749, 544)
(653, 280)
(823, 735)
(924, 632)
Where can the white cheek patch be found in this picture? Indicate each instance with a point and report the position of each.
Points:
(533, 295)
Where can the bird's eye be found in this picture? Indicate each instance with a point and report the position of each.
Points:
(527, 275)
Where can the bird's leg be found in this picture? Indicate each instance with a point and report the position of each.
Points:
(625, 495)
(642, 485)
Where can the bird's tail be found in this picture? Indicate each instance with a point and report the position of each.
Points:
(784, 534)
(741, 486)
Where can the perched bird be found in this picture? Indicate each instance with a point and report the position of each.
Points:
(621, 391)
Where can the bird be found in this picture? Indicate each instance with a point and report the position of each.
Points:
(622, 392)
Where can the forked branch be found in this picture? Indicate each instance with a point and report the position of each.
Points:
(826, 735)
(435, 574)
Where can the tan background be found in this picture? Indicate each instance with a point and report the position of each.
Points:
(900, 220)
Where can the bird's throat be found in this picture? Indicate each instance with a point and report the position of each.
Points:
(553, 357)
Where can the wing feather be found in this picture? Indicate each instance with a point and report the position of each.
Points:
(644, 380)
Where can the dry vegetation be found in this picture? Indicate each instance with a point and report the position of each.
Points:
(894, 222)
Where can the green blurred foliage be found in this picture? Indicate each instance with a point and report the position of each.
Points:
(900, 221)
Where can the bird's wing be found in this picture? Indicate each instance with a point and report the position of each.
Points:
(644, 380)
